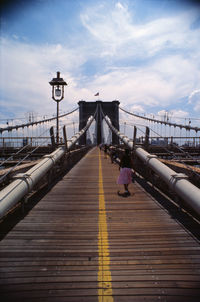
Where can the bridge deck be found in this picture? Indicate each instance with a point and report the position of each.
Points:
(82, 242)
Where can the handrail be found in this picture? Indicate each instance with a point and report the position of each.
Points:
(24, 182)
(178, 182)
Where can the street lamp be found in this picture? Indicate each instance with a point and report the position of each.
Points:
(57, 95)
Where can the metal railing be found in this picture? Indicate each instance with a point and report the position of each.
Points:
(25, 182)
(177, 182)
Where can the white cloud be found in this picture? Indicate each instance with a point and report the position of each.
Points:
(115, 37)
(194, 100)
(165, 79)
(197, 107)
(115, 30)
(194, 96)
(173, 113)
(176, 116)
(160, 84)
(137, 109)
(27, 69)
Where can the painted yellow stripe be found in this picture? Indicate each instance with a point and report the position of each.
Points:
(104, 274)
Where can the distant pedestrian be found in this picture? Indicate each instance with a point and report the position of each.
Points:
(113, 155)
(105, 150)
(100, 146)
(125, 176)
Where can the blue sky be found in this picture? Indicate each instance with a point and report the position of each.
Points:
(143, 53)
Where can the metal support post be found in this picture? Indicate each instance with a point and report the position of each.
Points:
(146, 142)
(134, 137)
(65, 137)
(57, 124)
(52, 137)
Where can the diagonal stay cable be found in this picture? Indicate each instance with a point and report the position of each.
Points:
(194, 172)
(81, 132)
(13, 154)
(19, 151)
(174, 155)
(177, 147)
(24, 158)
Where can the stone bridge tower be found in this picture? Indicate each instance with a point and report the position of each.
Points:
(111, 109)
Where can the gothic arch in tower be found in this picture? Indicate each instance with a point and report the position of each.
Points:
(111, 109)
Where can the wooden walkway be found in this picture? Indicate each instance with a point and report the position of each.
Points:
(84, 243)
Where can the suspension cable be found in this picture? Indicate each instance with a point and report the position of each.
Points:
(81, 133)
(162, 122)
(10, 128)
(118, 133)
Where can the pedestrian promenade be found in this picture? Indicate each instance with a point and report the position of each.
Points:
(84, 243)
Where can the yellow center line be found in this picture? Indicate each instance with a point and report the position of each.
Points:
(104, 274)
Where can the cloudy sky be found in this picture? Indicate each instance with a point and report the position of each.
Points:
(144, 53)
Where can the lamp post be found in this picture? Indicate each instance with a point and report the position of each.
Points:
(57, 95)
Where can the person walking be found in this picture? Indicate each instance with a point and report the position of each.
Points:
(125, 176)
(106, 148)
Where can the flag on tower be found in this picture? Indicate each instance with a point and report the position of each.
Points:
(97, 94)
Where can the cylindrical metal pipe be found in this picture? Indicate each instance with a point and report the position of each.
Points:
(177, 181)
(24, 182)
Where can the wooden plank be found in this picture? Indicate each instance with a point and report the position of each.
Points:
(148, 230)
(79, 292)
(52, 254)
